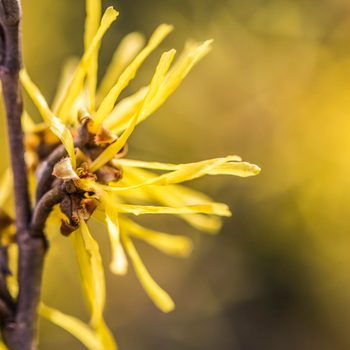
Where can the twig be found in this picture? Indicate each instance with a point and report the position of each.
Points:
(19, 330)
(31, 261)
(44, 177)
(44, 173)
(43, 209)
(10, 65)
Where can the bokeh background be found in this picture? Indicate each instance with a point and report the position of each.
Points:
(275, 90)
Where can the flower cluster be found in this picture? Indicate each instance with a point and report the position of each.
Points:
(80, 148)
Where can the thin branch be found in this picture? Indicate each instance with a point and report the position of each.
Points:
(43, 209)
(19, 331)
(31, 262)
(44, 175)
(10, 66)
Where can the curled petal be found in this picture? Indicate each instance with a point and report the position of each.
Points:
(74, 326)
(191, 55)
(128, 48)
(64, 170)
(91, 271)
(186, 172)
(119, 263)
(129, 73)
(171, 196)
(159, 296)
(67, 72)
(75, 88)
(179, 246)
(114, 148)
(93, 18)
(56, 126)
(219, 209)
(124, 110)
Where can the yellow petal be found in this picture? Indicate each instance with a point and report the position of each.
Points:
(68, 69)
(91, 271)
(106, 337)
(29, 126)
(11, 279)
(159, 75)
(93, 18)
(64, 170)
(170, 244)
(173, 196)
(160, 297)
(157, 165)
(74, 326)
(242, 169)
(119, 118)
(56, 126)
(216, 166)
(129, 73)
(92, 22)
(109, 215)
(192, 54)
(109, 153)
(27, 122)
(219, 209)
(6, 187)
(119, 264)
(134, 176)
(100, 331)
(128, 48)
(186, 172)
(75, 88)
(3, 346)
(189, 213)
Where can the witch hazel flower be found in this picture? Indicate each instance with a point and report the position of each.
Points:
(80, 151)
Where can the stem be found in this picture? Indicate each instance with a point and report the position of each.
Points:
(9, 72)
(43, 209)
(22, 334)
(44, 173)
(19, 331)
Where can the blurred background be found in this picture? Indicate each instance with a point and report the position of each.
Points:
(276, 91)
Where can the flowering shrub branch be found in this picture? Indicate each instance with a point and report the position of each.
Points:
(19, 316)
(76, 162)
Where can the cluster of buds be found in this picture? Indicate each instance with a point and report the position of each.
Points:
(77, 203)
